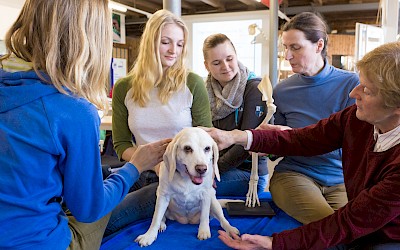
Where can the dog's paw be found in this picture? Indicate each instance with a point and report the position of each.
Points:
(204, 234)
(146, 239)
(232, 230)
(163, 226)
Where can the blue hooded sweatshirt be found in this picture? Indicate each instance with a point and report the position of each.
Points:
(49, 153)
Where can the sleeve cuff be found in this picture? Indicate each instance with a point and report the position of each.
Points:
(249, 139)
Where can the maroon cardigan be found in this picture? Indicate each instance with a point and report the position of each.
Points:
(372, 181)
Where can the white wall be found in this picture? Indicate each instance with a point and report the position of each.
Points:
(9, 11)
(194, 60)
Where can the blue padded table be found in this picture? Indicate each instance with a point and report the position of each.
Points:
(184, 236)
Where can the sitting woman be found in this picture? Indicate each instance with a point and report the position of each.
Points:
(157, 99)
(236, 103)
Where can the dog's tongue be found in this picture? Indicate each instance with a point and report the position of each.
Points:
(197, 180)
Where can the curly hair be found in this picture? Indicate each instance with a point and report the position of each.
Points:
(382, 67)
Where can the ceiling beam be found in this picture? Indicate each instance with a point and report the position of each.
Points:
(186, 5)
(250, 3)
(133, 21)
(318, 2)
(213, 3)
(146, 6)
(332, 8)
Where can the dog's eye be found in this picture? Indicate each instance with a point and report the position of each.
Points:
(207, 149)
(188, 149)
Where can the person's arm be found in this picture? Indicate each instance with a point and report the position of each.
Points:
(127, 154)
(253, 114)
(201, 112)
(121, 134)
(78, 155)
(322, 137)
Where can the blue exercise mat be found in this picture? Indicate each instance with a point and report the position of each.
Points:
(184, 236)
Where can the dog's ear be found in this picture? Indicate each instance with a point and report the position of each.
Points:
(215, 160)
(170, 158)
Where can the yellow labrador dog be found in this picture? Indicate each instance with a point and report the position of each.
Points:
(185, 192)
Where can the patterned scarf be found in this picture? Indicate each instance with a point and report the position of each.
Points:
(226, 100)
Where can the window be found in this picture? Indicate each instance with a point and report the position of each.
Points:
(235, 25)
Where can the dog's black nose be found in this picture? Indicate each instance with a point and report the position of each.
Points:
(201, 169)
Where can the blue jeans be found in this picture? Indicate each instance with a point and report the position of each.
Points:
(235, 182)
(137, 205)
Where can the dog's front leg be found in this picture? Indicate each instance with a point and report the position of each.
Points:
(150, 236)
(204, 227)
(216, 211)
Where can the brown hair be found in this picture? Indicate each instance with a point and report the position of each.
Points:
(213, 41)
(312, 25)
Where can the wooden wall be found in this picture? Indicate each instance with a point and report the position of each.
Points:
(341, 45)
(127, 51)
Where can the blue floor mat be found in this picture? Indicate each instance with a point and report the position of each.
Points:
(184, 236)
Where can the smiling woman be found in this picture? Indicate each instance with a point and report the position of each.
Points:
(157, 99)
(171, 46)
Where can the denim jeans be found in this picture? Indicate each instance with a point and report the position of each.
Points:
(137, 205)
(235, 182)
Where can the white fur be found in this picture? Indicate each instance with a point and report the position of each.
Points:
(178, 196)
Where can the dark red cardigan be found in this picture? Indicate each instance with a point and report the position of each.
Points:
(372, 181)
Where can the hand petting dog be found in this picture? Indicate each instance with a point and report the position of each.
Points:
(185, 192)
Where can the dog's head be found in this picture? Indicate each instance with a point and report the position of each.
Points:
(194, 153)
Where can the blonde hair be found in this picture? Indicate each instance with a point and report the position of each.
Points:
(69, 40)
(148, 72)
(382, 67)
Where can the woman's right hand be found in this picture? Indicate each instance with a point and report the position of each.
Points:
(225, 138)
(149, 155)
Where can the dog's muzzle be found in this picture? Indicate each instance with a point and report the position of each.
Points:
(201, 170)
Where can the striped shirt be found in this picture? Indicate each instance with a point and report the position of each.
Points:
(386, 140)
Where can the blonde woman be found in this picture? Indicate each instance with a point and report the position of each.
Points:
(157, 99)
(52, 82)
